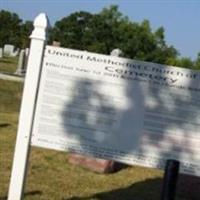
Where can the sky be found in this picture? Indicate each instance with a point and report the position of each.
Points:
(180, 18)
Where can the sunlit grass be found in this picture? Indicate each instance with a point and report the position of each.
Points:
(8, 64)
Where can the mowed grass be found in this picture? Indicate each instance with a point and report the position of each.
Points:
(8, 64)
(10, 96)
(51, 177)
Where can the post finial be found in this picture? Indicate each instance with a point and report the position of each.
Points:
(41, 24)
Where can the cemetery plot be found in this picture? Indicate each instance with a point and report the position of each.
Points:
(120, 109)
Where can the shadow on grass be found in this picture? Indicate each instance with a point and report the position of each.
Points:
(146, 190)
(31, 193)
(187, 189)
(4, 125)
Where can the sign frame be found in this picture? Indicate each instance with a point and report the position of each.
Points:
(22, 146)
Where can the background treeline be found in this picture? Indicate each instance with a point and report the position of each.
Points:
(101, 33)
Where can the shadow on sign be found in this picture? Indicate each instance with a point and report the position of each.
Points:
(143, 117)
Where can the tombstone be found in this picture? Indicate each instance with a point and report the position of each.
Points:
(26, 59)
(15, 53)
(116, 52)
(56, 43)
(21, 63)
(8, 49)
(1, 52)
(97, 164)
(27, 52)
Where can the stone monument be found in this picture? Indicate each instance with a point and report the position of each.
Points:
(21, 63)
(1, 52)
(8, 49)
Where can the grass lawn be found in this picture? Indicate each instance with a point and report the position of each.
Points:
(51, 177)
(8, 64)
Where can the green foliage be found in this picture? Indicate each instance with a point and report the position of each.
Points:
(26, 30)
(9, 28)
(197, 62)
(70, 30)
(13, 30)
(185, 62)
(108, 30)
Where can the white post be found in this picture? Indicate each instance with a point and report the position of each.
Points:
(38, 41)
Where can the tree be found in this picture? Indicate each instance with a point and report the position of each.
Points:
(26, 29)
(70, 30)
(10, 28)
(197, 62)
(105, 30)
(109, 29)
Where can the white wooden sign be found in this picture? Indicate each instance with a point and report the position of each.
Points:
(120, 109)
(125, 110)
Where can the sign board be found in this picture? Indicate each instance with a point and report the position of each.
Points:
(125, 110)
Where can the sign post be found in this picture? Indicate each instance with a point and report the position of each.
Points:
(170, 180)
(38, 40)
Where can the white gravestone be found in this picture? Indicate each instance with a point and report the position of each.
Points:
(1, 52)
(26, 52)
(8, 49)
(15, 53)
(116, 52)
(26, 59)
(21, 63)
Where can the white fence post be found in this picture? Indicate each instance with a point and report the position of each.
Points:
(38, 41)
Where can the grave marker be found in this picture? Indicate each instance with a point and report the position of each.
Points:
(21, 63)
(8, 49)
(26, 52)
(1, 52)
(15, 53)
(56, 43)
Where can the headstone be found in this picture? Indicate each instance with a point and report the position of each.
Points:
(94, 164)
(15, 53)
(26, 52)
(21, 63)
(56, 43)
(116, 52)
(26, 59)
(1, 52)
(8, 49)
